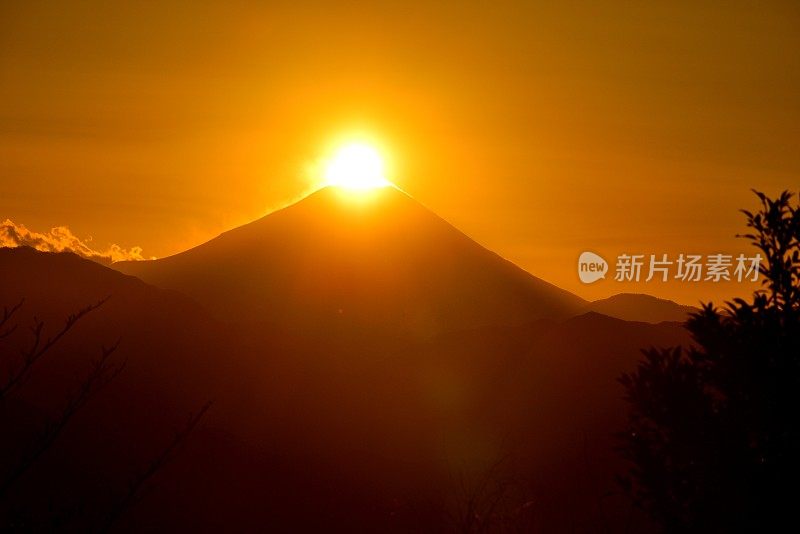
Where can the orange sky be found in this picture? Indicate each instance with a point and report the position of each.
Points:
(539, 130)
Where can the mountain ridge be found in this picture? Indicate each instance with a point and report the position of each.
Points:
(641, 307)
(378, 259)
(370, 427)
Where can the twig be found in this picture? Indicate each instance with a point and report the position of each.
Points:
(7, 314)
(100, 374)
(37, 349)
(136, 485)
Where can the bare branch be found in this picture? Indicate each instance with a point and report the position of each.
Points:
(7, 315)
(101, 373)
(37, 349)
(139, 481)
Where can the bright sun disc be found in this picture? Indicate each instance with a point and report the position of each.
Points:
(356, 166)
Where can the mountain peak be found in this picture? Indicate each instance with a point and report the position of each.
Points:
(342, 202)
(343, 194)
(641, 307)
(373, 259)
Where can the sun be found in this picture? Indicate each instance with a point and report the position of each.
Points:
(356, 166)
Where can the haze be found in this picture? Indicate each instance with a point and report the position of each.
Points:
(540, 131)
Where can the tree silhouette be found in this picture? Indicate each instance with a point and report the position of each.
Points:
(102, 371)
(491, 500)
(713, 432)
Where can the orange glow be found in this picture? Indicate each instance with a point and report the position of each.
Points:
(536, 144)
(356, 166)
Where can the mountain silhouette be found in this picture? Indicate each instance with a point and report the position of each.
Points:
(641, 307)
(381, 261)
(309, 433)
(170, 350)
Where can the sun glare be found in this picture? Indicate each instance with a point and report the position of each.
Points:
(356, 166)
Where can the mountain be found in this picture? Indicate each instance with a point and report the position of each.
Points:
(641, 307)
(171, 355)
(443, 369)
(344, 433)
(378, 261)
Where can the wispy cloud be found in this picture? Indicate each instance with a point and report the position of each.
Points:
(61, 239)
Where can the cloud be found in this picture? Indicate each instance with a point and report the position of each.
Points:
(61, 239)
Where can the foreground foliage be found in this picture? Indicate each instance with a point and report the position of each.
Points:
(714, 434)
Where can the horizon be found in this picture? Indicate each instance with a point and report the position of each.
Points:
(605, 289)
(541, 132)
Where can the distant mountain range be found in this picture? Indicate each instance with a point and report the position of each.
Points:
(641, 307)
(381, 262)
(363, 356)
